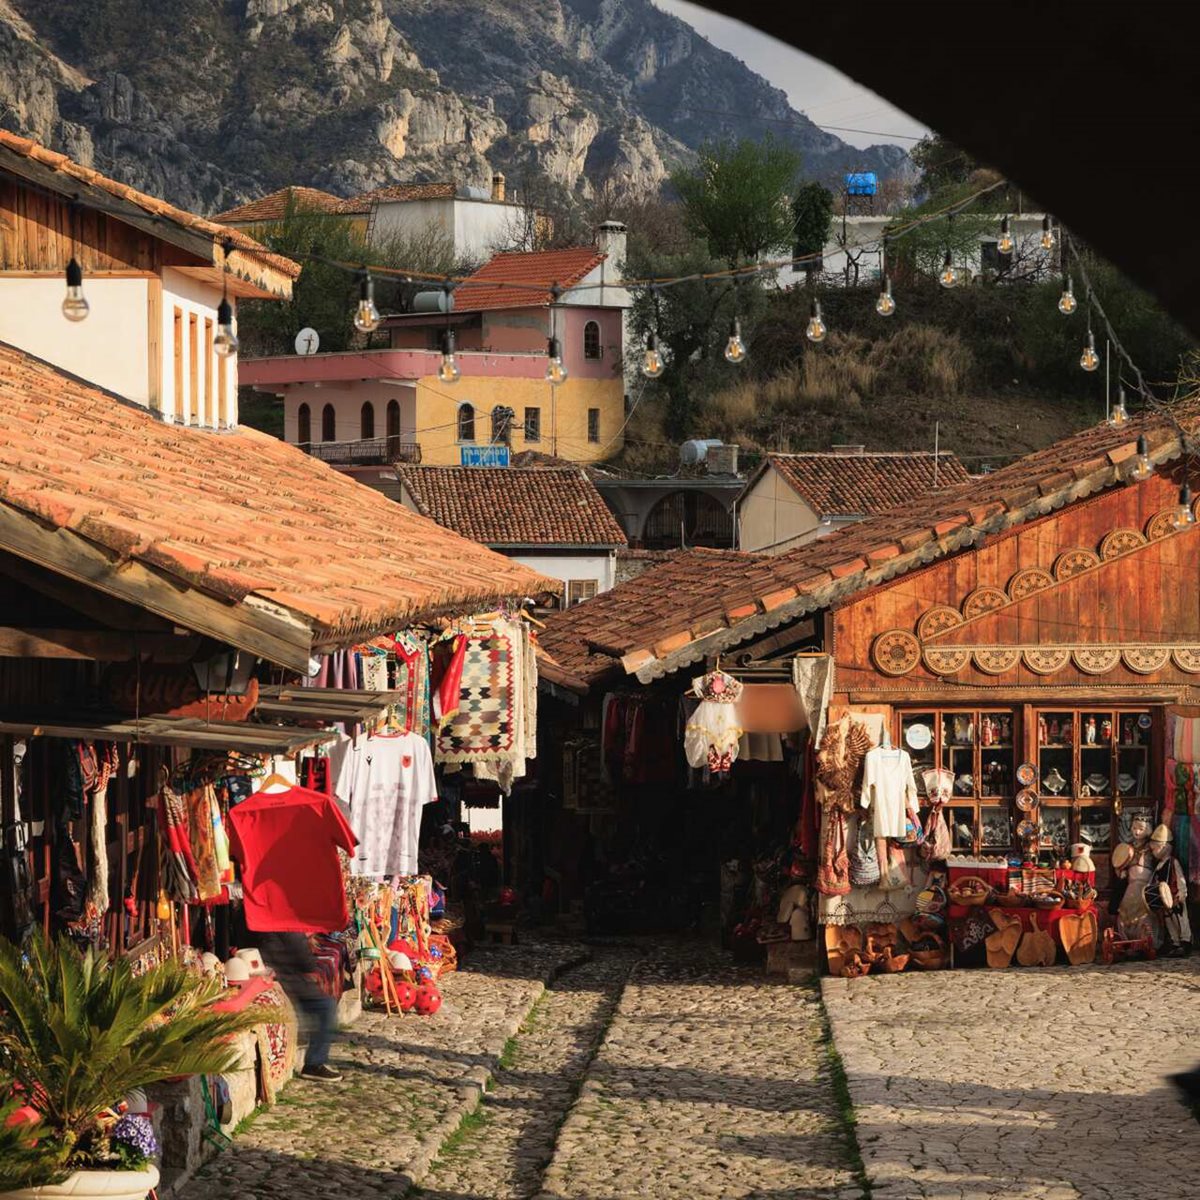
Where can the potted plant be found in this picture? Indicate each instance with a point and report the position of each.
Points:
(78, 1033)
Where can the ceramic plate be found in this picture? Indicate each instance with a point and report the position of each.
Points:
(1027, 799)
(1026, 774)
(1027, 829)
(918, 736)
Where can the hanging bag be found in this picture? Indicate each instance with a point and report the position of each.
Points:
(864, 861)
(937, 845)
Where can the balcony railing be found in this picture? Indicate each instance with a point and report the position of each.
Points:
(367, 452)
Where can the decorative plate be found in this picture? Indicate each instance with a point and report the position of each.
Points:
(1161, 525)
(1027, 799)
(1096, 660)
(1027, 775)
(1187, 658)
(1121, 541)
(996, 661)
(1046, 661)
(1145, 660)
(1071, 562)
(945, 662)
(1027, 829)
(937, 620)
(896, 652)
(984, 600)
(918, 736)
(1145, 720)
(1031, 579)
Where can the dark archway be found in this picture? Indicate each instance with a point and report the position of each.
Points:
(328, 424)
(687, 519)
(366, 424)
(304, 426)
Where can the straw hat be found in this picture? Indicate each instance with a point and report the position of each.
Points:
(1122, 856)
(237, 970)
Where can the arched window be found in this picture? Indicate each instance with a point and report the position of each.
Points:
(328, 424)
(687, 519)
(367, 421)
(466, 422)
(591, 340)
(502, 423)
(303, 426)
(393, 430)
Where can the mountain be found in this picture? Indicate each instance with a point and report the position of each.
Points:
(212, 102)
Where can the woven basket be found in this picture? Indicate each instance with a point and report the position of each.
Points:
(971, 899)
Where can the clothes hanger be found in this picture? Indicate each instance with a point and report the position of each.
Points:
(274, 780)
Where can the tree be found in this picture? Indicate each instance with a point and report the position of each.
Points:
(941, 163)
(736, 198)
(812, 216)
(325, 294)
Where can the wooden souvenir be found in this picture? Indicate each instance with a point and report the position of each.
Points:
(1071, 562)
(843, 947)
(1036, 948)
(1079, 933)
(1002, 945)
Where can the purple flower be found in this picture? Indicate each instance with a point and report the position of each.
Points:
(136, 1132)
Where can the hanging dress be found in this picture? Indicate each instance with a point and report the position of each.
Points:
(711, 736)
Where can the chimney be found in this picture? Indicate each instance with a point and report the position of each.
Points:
(848, 448)
(722, 460)
(497, 186)
(610, 240)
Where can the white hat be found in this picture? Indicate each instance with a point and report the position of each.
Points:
(210, 964)
(253, 960)
(399, 960)
(237, 970)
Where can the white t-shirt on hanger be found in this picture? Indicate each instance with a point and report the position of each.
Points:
(889, 788)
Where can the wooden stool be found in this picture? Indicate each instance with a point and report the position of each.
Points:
(504, 932)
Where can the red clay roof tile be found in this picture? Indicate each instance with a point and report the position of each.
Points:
(514, 506)
(234, 513)
(524, 280)
(275, 205)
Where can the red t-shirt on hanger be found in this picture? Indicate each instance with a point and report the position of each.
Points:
(286, 843)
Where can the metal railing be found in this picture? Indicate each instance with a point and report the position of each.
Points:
(367, 452)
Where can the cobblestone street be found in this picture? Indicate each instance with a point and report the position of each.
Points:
(1022, 1084)
(663, 1072)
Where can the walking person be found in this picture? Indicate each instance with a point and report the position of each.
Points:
(291, 958)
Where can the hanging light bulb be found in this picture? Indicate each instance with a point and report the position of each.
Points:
(652, 363)
(225, 343)
(366, 315)
(949, 276)
(885, 305)
(1005, 244)
(448, 371)
(1089, 360)
(816, 325)
(1184, 516)
(1119, 413)
(74, 306)
(556, 371)
(1047, 234)
(1067, 303)
(735, 348)
(1143, 468)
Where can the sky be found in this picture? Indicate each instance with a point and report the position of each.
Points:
(820, 91)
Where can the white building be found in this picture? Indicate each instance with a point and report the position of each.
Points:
(551, 519)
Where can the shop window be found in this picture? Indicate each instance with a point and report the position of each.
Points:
(579, 590)
(366, 425)
(304, 426)
(328, 424)
(591, 340)
(533, 424)
(466, 422)
(593, 424)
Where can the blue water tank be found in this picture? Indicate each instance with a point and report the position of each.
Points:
(862, 183)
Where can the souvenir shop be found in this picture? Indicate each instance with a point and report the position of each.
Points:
(1007, 772)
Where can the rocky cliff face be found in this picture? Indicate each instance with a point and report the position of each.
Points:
(209, 103)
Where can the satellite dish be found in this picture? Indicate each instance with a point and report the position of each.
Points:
(308, 341)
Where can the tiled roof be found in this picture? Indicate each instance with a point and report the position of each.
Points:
(23, 147)
(524, 280)
(514, 506)
(857, 485)
(403, 191)
(274, 206)
(702, 602)
(235, 514)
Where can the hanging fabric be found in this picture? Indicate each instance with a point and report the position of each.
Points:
(812, 675)
(712, 734)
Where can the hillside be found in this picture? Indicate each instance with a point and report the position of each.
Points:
(209, 103)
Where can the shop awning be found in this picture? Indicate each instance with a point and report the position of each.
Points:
(323, 704)
(186, 732)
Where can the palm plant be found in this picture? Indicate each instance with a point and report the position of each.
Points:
(78, 1033)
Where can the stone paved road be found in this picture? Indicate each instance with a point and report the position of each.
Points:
(1037, 1084)
(507, 1142)
(406, 1079)
(709, 1083)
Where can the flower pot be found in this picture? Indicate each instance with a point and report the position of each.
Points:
(86, 1185)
